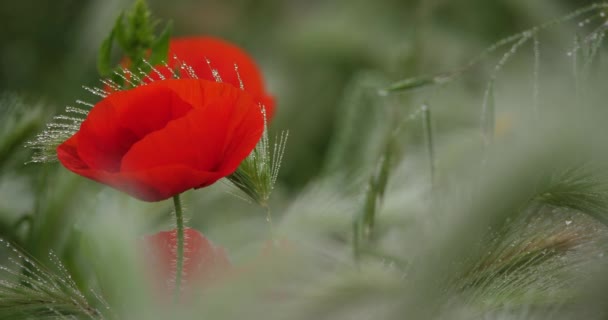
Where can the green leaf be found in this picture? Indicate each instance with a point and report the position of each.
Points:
(133, 31)
(415, 83)
(120, 33)
(160, 46)
(104, 59)
(140, 25)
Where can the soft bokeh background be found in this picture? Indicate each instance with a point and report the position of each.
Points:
(325, 62)
(308, 50)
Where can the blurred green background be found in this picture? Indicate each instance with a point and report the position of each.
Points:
(324, 61)
(308, 50)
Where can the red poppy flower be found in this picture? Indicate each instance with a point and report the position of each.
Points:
(203, 262)
(222, 56)
(203, 55)
(158, 140)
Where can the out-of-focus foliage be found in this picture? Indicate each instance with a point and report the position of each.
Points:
(309, 50)
(392, 205)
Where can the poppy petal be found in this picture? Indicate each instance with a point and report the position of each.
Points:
(159, 140)
(203, 261)
(123, 118)
(222, 57)
(208, 135)
(161, 183)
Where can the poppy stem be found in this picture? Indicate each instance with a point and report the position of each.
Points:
(179, 221)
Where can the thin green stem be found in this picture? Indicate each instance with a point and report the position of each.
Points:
(428, 132)
(369, 209)
(179, 221)
(356, 240)
(488, 115)
(536, 80)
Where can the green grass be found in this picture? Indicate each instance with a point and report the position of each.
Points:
(479, 192)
